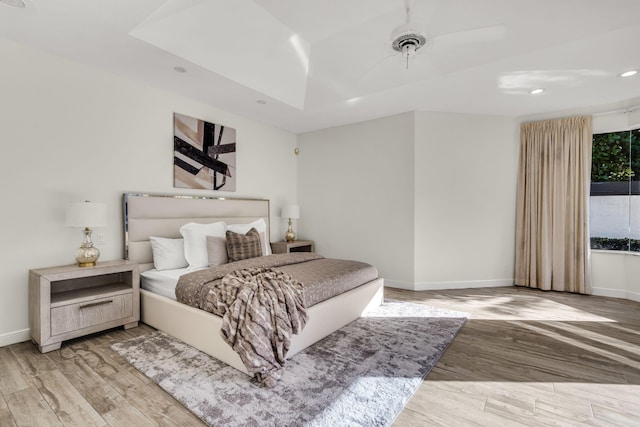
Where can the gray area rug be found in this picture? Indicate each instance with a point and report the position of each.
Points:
(361, 375)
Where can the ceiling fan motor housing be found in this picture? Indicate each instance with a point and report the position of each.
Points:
(407, 39)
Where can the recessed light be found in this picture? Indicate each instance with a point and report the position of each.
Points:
(629, 73)
(536, 91)
(14, 3)
(180, 69)
(261, 101)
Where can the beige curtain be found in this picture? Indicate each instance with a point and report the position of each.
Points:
(552, 224)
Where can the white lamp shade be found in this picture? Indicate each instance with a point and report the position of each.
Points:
(86, 214)
(291, 211)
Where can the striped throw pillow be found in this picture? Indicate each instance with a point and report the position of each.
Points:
(243, 246)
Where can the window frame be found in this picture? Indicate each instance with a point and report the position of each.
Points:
(628, 188)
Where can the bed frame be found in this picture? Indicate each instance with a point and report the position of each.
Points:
(162, 215)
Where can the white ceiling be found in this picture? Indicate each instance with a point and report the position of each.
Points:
(322, 63)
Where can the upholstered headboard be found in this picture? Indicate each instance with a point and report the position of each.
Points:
(162, 216)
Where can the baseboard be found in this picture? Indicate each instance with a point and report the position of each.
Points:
(14, 337)
(434, 286)
(398, 284)
(616, 293)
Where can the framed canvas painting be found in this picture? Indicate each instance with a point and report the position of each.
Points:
(204, 154)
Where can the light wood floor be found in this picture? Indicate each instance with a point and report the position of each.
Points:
(528, 357)
(525, 357)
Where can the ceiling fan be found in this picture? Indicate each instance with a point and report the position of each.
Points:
(408, 38)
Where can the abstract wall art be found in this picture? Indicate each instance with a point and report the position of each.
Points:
(204, 154)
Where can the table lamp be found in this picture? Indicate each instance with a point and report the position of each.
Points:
(86, 214)
(291, 212)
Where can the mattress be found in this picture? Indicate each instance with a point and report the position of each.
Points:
(162, 282)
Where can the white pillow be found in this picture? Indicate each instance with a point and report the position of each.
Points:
(261, 227)
(168, 254)
(195, 241)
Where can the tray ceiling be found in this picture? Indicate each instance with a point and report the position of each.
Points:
(321, 63)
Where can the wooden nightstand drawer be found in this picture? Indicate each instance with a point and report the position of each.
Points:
(90, 313)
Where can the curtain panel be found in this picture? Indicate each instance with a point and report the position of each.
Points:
(552, 224)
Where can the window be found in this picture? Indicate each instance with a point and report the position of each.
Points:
(615, 191)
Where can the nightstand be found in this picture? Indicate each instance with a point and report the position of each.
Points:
(71, 301)
(295, 246)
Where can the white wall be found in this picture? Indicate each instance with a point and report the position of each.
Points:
(355, 190)
(615, 274)
(428, 198)
(72, 133)
(465, 198)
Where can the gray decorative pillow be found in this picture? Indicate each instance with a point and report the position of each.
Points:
(243, 246)
(217, 250)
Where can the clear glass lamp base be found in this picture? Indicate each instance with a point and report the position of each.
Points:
(87, 255)
(290, 236)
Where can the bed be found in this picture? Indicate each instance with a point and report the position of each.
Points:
(148, 215)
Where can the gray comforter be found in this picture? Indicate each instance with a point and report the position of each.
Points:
(263, 301)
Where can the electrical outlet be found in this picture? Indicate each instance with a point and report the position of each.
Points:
(101, 239)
